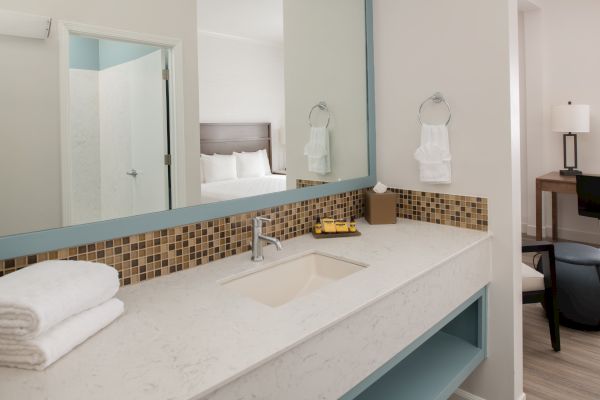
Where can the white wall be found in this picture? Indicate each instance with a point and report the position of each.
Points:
(30, 108)
(467, 50)
(29, 135)
(561, 42)
(523, 112)
(85, 146)
(115, 142)
(325, 61)
(241, 80)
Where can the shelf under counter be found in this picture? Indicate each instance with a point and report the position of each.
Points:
(436, 364)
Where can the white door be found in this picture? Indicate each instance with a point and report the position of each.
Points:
(149, 139)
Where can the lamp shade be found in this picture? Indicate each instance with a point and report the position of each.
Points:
(571, 118)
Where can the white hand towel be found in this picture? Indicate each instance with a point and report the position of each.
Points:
(36, 298)
(317, 151)
(434, 155)
(44, 350)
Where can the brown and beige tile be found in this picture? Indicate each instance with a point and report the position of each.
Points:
(148, 255)
(152, 254)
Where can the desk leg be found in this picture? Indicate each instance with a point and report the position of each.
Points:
(538, 212)
(554, 217)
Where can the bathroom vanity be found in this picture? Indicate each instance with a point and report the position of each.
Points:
(399, 312)
(409, 320)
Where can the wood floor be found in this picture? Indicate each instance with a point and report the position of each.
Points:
(571, 374)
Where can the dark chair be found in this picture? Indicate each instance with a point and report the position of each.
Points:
(539, 286)
(578, 266)
(588, 195)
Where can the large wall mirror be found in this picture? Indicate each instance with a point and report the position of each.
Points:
(284, 114)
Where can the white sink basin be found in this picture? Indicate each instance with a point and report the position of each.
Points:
(289, 279)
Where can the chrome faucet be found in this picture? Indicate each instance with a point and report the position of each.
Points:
(258, 237)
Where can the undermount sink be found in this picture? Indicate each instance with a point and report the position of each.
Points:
(289, 279)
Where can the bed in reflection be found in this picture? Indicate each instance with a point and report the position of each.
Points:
(236, 161)
(241, 187)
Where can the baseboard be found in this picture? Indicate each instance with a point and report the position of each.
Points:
(463, 395)
(567, 234)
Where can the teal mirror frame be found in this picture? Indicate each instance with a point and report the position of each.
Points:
(60, 238)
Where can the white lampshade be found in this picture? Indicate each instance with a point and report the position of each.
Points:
(571, 118)
(24, 25)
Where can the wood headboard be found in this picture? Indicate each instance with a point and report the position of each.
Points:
(226, 138)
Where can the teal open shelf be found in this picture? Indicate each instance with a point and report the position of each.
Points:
(436, 364)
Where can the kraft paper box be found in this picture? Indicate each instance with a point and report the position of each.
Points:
(380, 208)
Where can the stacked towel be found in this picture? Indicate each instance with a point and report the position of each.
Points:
(317, 151)
(434, 154)
(44, 350)
(49, 308)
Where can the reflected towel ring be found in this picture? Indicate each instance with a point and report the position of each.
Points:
(323, 107)
(437, 98)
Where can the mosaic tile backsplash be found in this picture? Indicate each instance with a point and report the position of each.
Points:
(446, 209)
(153, 254)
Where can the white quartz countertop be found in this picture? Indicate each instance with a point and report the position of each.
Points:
(183, 336)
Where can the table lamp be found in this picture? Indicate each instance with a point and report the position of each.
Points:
(570, 120)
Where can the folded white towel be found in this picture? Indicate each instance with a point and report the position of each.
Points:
(317, 151)
(36, 298)
(50, 346)
(434, 154)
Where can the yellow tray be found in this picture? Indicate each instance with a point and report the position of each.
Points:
(335, 235)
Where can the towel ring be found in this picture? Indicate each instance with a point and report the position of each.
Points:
(437, 98)
(323, 107)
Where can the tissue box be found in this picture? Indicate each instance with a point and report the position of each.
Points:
(380, 208)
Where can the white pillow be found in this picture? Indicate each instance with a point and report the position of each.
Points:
(250, 165)
(218, 167)
(266, 162)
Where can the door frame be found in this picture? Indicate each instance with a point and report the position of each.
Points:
(175, 109)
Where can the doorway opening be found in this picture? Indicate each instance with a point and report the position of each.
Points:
(118, 142)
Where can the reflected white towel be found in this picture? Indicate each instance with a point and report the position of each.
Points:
(434, 155)
(36, 298)
(50, 346)
(317, 151)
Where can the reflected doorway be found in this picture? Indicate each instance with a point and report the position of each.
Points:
(118, 144)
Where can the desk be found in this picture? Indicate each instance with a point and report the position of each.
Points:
(556, 183)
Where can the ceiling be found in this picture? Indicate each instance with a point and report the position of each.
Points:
(253, 19)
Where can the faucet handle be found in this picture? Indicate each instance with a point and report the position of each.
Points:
(259, 220)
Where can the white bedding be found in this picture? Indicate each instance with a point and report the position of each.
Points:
(242, 187)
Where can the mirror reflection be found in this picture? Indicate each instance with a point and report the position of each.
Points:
(118, 138)
(282, 104)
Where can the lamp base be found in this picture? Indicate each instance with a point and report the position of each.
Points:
(570, 172)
